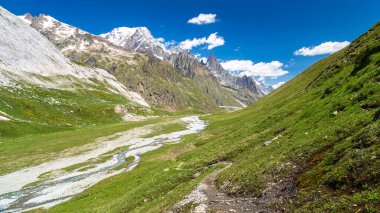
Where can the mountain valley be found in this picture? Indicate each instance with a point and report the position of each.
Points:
(124, 122)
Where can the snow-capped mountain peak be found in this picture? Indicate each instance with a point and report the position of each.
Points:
(264, 87)
(120, 35)
(139, 39)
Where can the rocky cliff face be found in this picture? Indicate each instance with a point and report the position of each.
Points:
(69, 38)
(187, 64)
(225, 78)
(253, 89)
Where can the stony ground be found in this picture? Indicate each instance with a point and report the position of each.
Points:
(207, 197)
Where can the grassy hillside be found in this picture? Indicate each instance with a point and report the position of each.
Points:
(159, 83)
(34, 109)
(56, 142)
(313, 144)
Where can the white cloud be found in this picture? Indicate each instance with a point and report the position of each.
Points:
(197, 56)
(261, 78)
(275, 86)
(203, 19)
(203, 60)
(212, 41)
(169, 44)
(261, 69)
(200, 58)
(328, 47)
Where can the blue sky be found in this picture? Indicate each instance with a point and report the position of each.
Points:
(253, 31)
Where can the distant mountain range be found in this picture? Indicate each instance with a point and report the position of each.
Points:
(131, 47)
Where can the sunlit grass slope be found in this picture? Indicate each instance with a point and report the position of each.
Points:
(322, 136)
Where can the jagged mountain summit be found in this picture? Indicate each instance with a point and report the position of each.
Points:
(69, 38)
(256, 88)
(236, 82)
(138, 39)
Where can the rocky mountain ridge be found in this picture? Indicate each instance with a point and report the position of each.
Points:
(131, 44)
(156, 80)
(138, 39)
(26, 56)
(236, 82)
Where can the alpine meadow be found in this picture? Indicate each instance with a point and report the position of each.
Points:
(109, 106)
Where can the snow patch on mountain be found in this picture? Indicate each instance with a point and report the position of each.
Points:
(264, 87)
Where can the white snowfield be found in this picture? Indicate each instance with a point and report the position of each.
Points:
(25, 55)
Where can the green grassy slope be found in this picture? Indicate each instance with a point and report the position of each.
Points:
(34, 109)
(42, 147)
(323, 152)
(332, 160)
(159, 83)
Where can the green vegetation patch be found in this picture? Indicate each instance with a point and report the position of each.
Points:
(40, 148)
(167, 128)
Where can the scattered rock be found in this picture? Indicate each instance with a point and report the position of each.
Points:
(207, 197)
(3, 118)
(266, 143)
(166, 169)
(202, 208)
(196, 175)
(335, 113)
